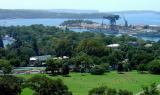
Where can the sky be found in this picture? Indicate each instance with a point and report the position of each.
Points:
(101, 5)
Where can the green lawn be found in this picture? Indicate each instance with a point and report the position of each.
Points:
(80, 85)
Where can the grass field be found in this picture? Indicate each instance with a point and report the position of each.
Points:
(80, 85)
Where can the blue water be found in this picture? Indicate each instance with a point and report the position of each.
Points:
(134, 19)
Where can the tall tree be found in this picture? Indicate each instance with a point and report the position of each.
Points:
(63, 48)
(35, 46)
(1, 42)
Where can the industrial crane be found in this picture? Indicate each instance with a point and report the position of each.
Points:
(112, 19)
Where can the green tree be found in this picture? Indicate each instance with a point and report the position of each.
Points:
(82, 61)
(120, 67)
(43, 85)
(10, 85)
(35, 46)
(154, 67)
(92, 47)
(1, 42)
(15, 62)
(54, 65)
(63, 48)
(142, 67)
(65, 69)
(98, 70)
(5, 66)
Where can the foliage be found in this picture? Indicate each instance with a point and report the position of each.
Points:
(91, 47)
(54, 66)
(1, 42)
(65, 69)
(15, 62)
(5, 66)
(120, 67)
(76, 22)
(98, 70)
(82, 61)
(124, 92)
(154, 67)
(43, 85)
(152, 90)
(10, 85)
(63, 48)
(103, 90)
(142, 67)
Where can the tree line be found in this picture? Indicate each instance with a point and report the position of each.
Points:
(87, 52)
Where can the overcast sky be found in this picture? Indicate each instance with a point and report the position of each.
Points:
(101, 5)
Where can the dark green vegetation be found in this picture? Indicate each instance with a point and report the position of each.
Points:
(41, 85)
(152, 90)
(76, 23)
(10, 85)
(85, 50)
(86, 53)
(108, 91)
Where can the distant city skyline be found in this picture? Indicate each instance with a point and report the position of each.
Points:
(100, 5)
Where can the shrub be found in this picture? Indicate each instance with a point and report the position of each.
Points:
(98, 70)
(120, 67)
(154, 67)
(142, 67)
(103, 90)
(152, 90)
(43, 85)
(124, 92)
(10, 85)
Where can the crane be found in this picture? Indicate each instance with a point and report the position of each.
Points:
(112, 19)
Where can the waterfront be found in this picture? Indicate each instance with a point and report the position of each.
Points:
(56, 22)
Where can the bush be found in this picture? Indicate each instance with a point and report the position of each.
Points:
(154, 67)
(142, 67)
(10, 85)
(102, 91)
(125, 92)
(42, 85)
(108, 91)
(15, 62)
(98, 70)
(152, 90)
(120, 68)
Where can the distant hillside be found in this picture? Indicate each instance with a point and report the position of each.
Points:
(73, 11)
(60, 13)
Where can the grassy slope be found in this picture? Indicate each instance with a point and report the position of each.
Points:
(80, 85)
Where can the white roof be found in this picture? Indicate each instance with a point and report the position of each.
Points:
(113, 45)
(148, 45)
(65, 57)
(33, 59)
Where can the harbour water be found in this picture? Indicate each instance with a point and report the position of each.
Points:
(149, 19)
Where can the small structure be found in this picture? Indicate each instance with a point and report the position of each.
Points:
(64, 57)
(133, 44)
(148, 45)
(113, 45)
(40, 59)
